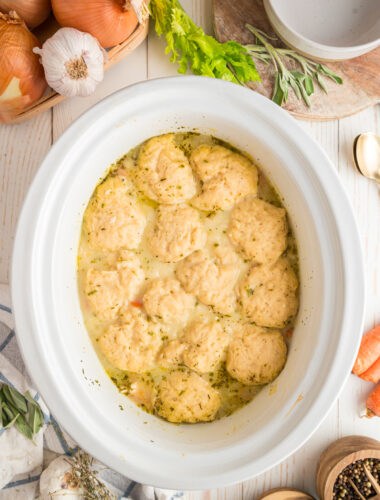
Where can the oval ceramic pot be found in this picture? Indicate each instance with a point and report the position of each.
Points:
(50, 329)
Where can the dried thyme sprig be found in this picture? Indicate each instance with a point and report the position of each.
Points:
(87, 478)
(22, 412)
(300, 81)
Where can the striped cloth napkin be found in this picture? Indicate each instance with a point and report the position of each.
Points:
(21, 461)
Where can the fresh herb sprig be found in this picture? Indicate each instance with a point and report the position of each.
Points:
(301, 82)
(190, 46)
(86, 477)
(22, 412)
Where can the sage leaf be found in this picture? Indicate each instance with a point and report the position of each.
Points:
(12, 422)
(320, 82)
(31, 417)
(30, 399)
(278, 94)
(304, 94)
(18, 399)
(326, 71)
(22, 425)
(35, 419)
(9, 412)
(40, 419)
(297, 75)
(309, 86)
(295, 88)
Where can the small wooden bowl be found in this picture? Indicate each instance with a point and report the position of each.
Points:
(285, 494)
(338, 456)
(114, 55)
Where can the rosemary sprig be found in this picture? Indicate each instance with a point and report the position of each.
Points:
(301, 82)
(86, 478)
(22, 412)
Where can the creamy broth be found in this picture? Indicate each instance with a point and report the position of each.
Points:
(141, 387)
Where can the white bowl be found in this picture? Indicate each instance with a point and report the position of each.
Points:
(50, 329)
(328, 30)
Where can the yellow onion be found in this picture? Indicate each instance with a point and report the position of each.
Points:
(22, 79)
(110, 21)
(33, 12)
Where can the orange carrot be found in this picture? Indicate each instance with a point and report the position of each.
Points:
(373, 403)
(136, 304)
(373, 373)
(369, 351)
(289, 333)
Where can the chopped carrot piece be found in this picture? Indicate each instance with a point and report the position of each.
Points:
(136, 304)
(373, 373)
(289, 333)
(369, 351)
(373, 402)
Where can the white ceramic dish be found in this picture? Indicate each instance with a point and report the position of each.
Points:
(329, 30)
(55, 344)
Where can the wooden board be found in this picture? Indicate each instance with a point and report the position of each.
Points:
(361, 75)
(114, 55)
(285, 494)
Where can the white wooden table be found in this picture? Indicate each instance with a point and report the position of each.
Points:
(23, 147)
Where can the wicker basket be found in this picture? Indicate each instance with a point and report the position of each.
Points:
(51, 98)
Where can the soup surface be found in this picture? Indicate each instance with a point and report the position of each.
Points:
(187, 273)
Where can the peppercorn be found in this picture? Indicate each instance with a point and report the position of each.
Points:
(355, 473)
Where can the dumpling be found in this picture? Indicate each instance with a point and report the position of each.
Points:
(165, 300)
(225, 177)
(104, 293)
(113, 220)
(268, 294)
(205, 344)
(177, 233)
(108, 290)
(184, 396)
(259, 229)
(256, 356)
(211, 282)
(201, 347)
(163, 171)
(131, 274)
(171, 354)
(133, 344)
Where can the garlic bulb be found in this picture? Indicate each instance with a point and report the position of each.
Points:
(73, 62)
(58, 481)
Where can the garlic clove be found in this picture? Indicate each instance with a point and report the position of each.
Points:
(73, 62)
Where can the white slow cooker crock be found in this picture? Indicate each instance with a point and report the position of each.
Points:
(50, 329)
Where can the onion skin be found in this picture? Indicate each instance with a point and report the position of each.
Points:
(110, 21)
(18, 61)
(33, 12)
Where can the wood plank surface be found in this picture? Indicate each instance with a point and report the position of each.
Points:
(361, 75)
(23, 147)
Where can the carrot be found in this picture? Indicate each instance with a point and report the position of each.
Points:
(136, 304)
(289, 333)
(373, 373)
(373, 403)
(369, 351)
